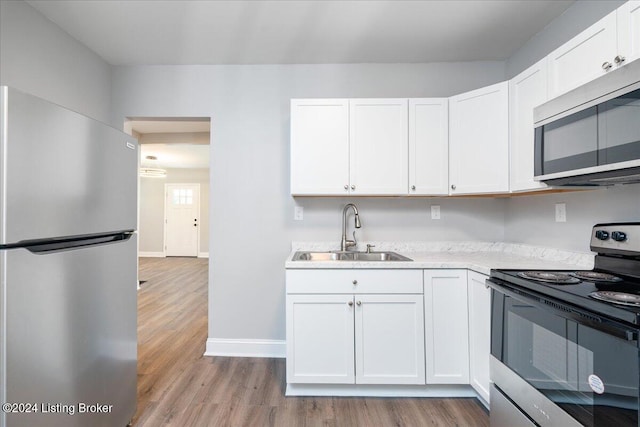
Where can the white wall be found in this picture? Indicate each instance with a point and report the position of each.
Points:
(531, 219)
(151, 232)
(37, 57)
(251, 210)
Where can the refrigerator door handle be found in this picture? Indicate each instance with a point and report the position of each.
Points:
(58, 244)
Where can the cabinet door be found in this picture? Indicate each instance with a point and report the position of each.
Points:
(389, 339)
(320, 339)
(479, 333)
(319, 146)
(479, 141)
(446, 326)
(428, 146)
(526, 91)
(379, 146)
(629, 31)
(580, 60)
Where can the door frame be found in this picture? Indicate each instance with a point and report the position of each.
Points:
(164, 224)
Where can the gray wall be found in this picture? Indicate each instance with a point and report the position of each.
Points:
(531, 219)
(37, 57)
(250, 203)
(151, 232)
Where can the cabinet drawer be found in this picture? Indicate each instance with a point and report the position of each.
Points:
(354, 281)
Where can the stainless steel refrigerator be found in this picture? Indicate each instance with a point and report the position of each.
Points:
(68, 267)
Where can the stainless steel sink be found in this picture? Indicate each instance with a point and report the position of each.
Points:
(349, 256)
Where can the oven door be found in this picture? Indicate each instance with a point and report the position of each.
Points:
(572, 364)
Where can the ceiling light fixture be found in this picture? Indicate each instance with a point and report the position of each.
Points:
(150, 172)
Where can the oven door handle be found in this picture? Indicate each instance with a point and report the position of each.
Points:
(567, 311)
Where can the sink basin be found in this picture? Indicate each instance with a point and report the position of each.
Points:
(349, 256)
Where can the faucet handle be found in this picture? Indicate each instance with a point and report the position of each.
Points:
(355, 242)
(369, 248)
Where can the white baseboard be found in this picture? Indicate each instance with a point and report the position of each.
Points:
(203, 255)
(151, 254)
(245, 348)
(374, 390)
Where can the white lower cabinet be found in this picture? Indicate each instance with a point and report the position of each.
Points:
(320, 339)
(446, 326)
(479, 333)
(349, 337)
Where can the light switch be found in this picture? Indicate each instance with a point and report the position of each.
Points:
(298, 213)
(435, 212)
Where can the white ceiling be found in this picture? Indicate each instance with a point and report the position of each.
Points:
(285, 32)
(175, 155)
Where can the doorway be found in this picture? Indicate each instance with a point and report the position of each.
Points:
(182, 213)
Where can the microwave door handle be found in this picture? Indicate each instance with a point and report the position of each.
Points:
(563, 310)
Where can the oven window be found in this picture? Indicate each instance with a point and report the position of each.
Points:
(590, 374)
(619, 129)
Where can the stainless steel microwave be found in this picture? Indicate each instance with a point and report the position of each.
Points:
(591, 135)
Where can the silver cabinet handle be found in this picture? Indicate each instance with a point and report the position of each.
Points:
(350, 303)
(346, 187)
(619, 59)
(606, 65)
(353, 187)
(413, 187)
(355, 282)
(453, 186)
(359, 303)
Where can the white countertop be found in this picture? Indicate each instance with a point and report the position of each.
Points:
(476, 256)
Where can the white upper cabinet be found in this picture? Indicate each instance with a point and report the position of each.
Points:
(611, 42)
(479, 141)
(319, 146)
(526, 91)
(378, 146)
(628, 16)
(429, 146)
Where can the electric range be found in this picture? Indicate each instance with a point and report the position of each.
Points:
(565, 344)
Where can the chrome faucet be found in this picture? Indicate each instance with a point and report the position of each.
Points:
(344, 243)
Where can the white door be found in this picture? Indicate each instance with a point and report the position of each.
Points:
(526, 91)
(379, 146)
(446, 326)
(479, 333)
(629, 31)
(319, 146)
(479, 141)
(581, 59)
(320, 339)
(428, 146)
(389, 339)
(182, 219)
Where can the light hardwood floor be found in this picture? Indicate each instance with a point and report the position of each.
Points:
(177, 386)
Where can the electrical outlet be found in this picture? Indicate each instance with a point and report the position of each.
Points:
(298, 213)
(435, 212)
(561, 212)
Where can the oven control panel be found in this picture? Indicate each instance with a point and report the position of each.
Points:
(616, 238)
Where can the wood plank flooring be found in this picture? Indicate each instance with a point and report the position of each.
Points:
(177, 386)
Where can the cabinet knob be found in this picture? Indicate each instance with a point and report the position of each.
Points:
(353, 187)
(453, 186)
(359, 303)
(413, 187)
(346, 187)
(350, 303)
(355, 282)
(619, 59)
(606, 65)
